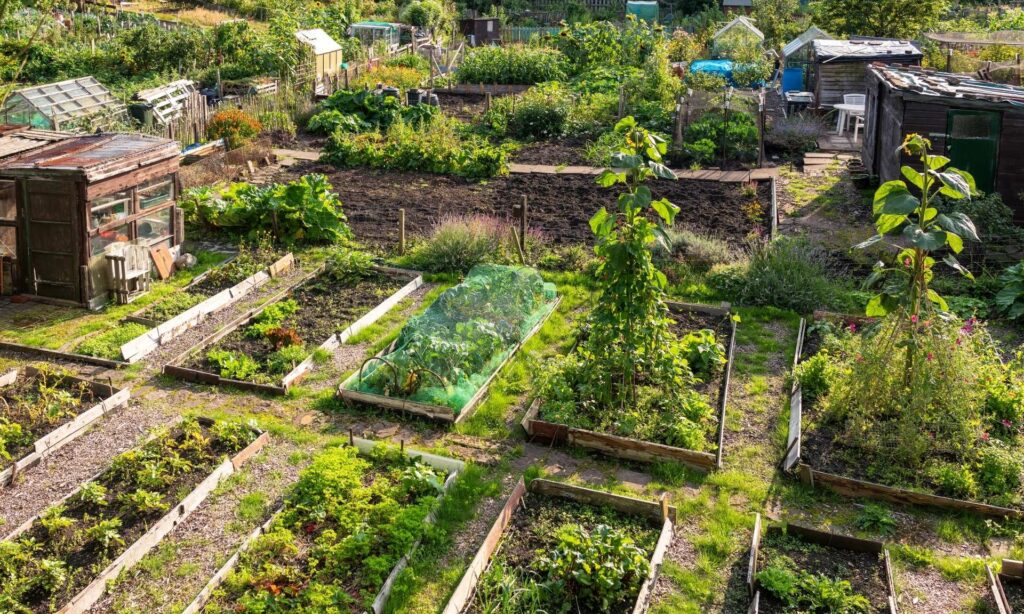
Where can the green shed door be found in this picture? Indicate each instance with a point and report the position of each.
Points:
(972, 144)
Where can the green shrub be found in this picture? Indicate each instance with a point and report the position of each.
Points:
(788, 273)
(422, 14)
(699, 251)
(108, 344)
(999, 469)
(235, 126)
(816, 375)
(703, 352)
(511, 65)
(540, 113)
(457, 244)
(952, 480)
(704, 138)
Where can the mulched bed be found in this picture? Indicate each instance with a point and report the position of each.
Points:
(534, 528)
(864, 571)
(25, 403)
(568, 152)
(1014, 590)
(324, 309)
(466, 107)
(560, 206)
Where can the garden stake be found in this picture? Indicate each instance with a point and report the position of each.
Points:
(401, 231)
(519, 248)
(351, 439)
(522, 225)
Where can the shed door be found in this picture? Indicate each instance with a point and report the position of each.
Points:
(53, 235)
(972, 144)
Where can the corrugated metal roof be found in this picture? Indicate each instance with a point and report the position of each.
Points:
(68, 99)
(865, 50)
(940, 84)
(810, 34)
(742, 22)
(18, 139)
(320, 41)
(96, 156)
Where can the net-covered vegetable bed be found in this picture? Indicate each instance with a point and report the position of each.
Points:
(446, 354)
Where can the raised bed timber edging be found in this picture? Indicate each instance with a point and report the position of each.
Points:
(853, 487)
(1009, 570)
(293, 376)
(438, 412)
(59, 355)
(658, 512)
(636, 449)
(113, 398)
(450, 465)
(92, 593)
(160, 334)
(821, 538)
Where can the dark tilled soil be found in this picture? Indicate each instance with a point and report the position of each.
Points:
(324, 309)
(534, 528)
(467, 107)
(560, 206)
(567, 152)
(864, 571)
(1014, 590)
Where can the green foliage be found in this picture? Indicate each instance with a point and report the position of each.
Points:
(286, 358)
(457, 244)
(512, 65)
(903, 285)
(788, 273)
(422, 13)
(902, 19)
(816, 375)
(108, 344)
(143, 502)
(437, 147)
(804, 591)
(233, 365)
(876, 518)
(601, 568)
(347, 267)
(1010, 299)
(540, 113)
(401, 77)
(302, 211)
(272, 317)
(277, 121)
(703, 352)
(361, 110)
(11, 434)
(254, 255)
(235, 126)
(703, 139)
(175, 304)
(602, 43)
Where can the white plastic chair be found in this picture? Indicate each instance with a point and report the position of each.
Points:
(858, 99)
(858, 124)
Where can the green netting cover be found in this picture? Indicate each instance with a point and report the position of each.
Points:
(444, 355)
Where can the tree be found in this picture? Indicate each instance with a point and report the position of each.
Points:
(776, 20)
(885, 18)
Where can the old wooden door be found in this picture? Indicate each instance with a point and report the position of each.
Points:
(972, 144)
(53, 235)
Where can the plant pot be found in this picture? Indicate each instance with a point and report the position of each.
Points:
(861, 181)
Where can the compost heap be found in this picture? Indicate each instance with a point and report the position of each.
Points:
(445, 355)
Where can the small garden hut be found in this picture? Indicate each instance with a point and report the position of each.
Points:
(326, 52)
(839, 67)
(977, 124)
(56, 105)
(796, 59)
(481, 30)
(74, 201)
(737, 6)
(369, 32)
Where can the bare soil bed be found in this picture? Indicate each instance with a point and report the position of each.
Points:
(466, 107)
(535, 528)
(560, 206)
(1014, 590)
(325, 308)
(864, 571)
(568, 152)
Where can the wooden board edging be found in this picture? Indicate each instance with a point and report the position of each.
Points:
(161, 334)
(656, 512)
(755, 547)
(792, 456)
(59, 355)
(68, 432)
(439, 412)
(995, 585)
(629, 448)
(88, 596)
(452, 466)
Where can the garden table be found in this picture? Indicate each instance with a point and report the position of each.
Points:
(845, 110)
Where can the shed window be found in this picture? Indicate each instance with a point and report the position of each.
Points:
(110, 208)
(8, 204)
(8, 242)
(154, 227)
(152, 193)
(118, 234)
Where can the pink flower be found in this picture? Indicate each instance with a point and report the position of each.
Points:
(913, 318)
(853, 327)
(907, 262)
(1007, 423)
(968, 327)
(931, 357)
(984, 436)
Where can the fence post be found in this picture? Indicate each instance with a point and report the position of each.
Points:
(949, 59)
(401, 231)
(622, 101)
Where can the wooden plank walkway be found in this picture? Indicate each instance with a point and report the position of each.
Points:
(297, 154)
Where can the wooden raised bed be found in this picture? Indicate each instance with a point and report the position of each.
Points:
(89, 595)
(437, 412)
(452, 466)
(331, 344)
(635, 449)
(113, 399)
(163, 333)
(1010, 571)
(497, 89)
(853, 487)
(821, 538)
(658, 512)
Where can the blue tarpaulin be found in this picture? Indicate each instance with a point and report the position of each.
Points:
(722, 68)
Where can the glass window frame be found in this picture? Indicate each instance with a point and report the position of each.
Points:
(135, 212)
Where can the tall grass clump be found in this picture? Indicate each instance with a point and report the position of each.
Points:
(512, 65)
(457, 243)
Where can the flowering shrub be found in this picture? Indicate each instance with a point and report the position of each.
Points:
(235, 126)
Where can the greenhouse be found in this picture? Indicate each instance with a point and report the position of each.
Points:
(56, 105)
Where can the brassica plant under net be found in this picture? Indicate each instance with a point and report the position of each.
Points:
(444, 355)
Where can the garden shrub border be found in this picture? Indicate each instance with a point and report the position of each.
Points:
(635, 449)
(1010, 570)
(113, 399)
(444, 463)
(852, 487)
(162, 333)
(437, 412)
(88, 596)
(331, 344)
(660, 512)
(821, 538)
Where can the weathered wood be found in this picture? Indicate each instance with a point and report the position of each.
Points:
(755, 547)
(792, 456)
(995, 585)
(463, 595)
(58, 355)
(723, 394)
(450, 466)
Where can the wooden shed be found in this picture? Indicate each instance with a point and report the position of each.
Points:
(839, 67)
(69, 202)
(977, 124)
(326, 52)
(481, 30)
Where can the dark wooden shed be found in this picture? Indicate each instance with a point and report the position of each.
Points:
(63, 204)
(483, 30)
(839, 67)
(977, 124)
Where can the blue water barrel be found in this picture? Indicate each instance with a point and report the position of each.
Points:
(792, 79)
